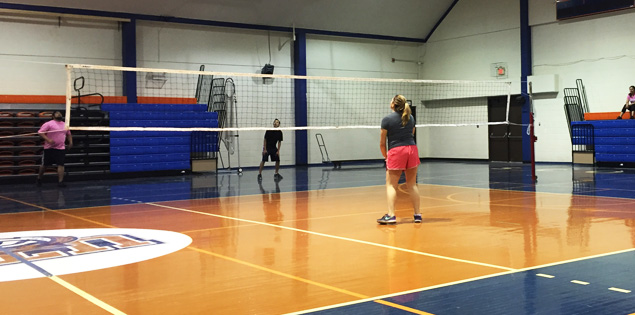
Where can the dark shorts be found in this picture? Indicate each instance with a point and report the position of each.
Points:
(630, 108)
(271, 153)
(53, 156)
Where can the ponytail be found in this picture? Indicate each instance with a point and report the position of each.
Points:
(405, 116)
(401, 106)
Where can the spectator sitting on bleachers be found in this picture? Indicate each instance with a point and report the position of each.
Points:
(630, 103)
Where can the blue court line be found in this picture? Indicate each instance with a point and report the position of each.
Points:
(26, 262)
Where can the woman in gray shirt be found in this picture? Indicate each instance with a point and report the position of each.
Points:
(402, 156)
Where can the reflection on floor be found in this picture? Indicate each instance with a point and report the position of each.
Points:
(552, 178)
(561, 245)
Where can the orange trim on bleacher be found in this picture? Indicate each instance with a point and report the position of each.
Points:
(60, 99)
(605, 116)
(57, 99)
(165, 100)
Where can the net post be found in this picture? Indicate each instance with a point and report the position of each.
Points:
(509, 97)
(69, 96)
(532, 137)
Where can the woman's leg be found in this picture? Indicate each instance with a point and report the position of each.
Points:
(413, 189)
(392, 180)
(622, 113)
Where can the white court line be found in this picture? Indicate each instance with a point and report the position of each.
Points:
(87, 296)
(577, 259)
(509, 270)
(337, 237)
(401, 293)
(534, 192)
(465, 281)
(544, 275)
(579, 282)
(620, 290)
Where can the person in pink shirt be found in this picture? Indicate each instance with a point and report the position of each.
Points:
(630, 103)
(54, 133)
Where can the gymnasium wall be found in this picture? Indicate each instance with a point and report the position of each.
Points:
(478, 33)
(597, 49)
(28, 46)
(474, 35)
(176, 46)
(328, 56)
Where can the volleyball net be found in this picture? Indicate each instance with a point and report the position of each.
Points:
(144, 99)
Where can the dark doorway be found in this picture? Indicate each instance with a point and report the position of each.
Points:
(505, 141)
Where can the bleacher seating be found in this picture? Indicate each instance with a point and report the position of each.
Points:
(613, 139)
(138, 151)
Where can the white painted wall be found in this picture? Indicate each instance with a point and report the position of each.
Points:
(473, 36)
(328, 56)
(478, 33)
(595, 49)
(174, 46)
(164, 45)
(33, 52)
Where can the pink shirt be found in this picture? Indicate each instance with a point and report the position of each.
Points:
(630, 99)
(55, 130)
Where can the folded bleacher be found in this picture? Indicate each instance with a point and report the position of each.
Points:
(140, 151)
(613, 140)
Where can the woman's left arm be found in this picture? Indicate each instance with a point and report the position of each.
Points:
(382, 143)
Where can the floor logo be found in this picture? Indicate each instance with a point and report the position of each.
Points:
(33, 254)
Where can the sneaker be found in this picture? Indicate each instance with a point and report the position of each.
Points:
(61, 184)
(386, 219)
(277, 176)
(619, 117)
(38, 182)
(260, 177)
(418, 218)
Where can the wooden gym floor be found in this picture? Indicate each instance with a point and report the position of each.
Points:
(491, 242)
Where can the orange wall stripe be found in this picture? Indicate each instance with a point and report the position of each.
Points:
(57, 99)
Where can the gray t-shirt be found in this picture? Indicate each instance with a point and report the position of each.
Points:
(398, 135)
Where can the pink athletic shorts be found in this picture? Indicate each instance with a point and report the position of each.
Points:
(403, 157)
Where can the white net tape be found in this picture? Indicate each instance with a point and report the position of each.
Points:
(256, 99)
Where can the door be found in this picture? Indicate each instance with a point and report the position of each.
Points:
(505, 141)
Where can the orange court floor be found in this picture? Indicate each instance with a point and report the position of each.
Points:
(309, 243)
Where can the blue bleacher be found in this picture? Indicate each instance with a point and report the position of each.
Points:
(138, 151)
(613, 140)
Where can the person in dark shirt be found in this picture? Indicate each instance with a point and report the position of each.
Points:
(271, 149)
(398, 130)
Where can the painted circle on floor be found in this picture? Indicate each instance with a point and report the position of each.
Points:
(35, 254)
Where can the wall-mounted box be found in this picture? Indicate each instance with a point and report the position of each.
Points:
(547, 83)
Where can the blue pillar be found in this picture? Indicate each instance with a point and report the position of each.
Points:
(129, 59)
(299, 68)
(525, 70)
